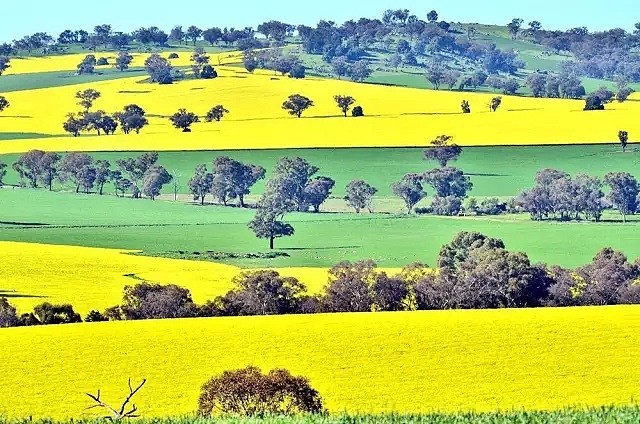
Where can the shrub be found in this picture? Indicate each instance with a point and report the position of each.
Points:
(446, 206)
(594, 102)
(208, 72)
(357, 112)
(95, 316)
(173, 55)
(491, 206)
(249, 392)
(102, 61)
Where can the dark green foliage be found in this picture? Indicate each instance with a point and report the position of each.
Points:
(3, 172)
(4, 103)
(344, 103)
(8, 315)
(623, 136)
(153, 180)
(624, 192)
(208, 72)
(267, 224)
(297, 104)
(123, 61)
(159, 69)
(298, 71)
(249, 392)
(95, 316)
(87, 66)
(183, 119)
(448, 181)
(131, 119)
(216, 113)
(357, 112)
(466, 108)
(594, 102)
(409, 189)
(360, 195)
(495, 103)
(443, 150)
(349, 287)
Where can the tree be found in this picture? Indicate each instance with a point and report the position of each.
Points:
(74, 124)
(249, 392)
(537, 82)
(349, 287)
(432, 16)
(495, 103)
(340, 66)
(344, 103)
(234, 179)
(135, 168)
(216, 113)
(4, 63)
(435, 74)
(103, 174)
(298, 71)
(267, 224)
(594, 102)
(297, 104)
(177, 34)
(212, 35)
(153, 180)
(409, 189)
(199, 59)
(453, 254)
(123, 61)
(3, 172)
(360, 195)
(623, 136)
(249, 60)
(48, 168)
(360, 71)
(87, 97)
(624, 192)
(443, 150)
(193, 33)
(183, 120)
(78, 168)
(389, 293)
(465, 106)
(450, 78)
(154, 301)
(514, 27)
(8, 314)
(4, 103)
(317, 191)
(122, 414)
(159, 69)
(88, 65)
(208, 72)
(200, 184)
(290, 178)
(448, 181)
(131, 119)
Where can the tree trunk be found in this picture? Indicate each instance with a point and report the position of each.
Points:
(241, 200)
(201, 200)
(271, 242)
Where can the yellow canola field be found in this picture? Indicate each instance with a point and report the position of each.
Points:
(69, 62)
(91, 278)
(395, 116)
(408, 362)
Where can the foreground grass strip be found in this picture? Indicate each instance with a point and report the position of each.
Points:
(413, 362)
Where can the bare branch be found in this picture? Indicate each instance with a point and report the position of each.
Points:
(118, 415)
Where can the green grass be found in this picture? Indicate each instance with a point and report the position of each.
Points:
(324, 239)
(21, 136)
(19, 82)
(494, 171)
(606, 415)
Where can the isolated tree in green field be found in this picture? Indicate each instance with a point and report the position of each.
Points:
(123, 61)
(87, 97)
(443, 150)
(297, 104)
(153, 180)
(360, 195)
(200, 183)
(216, 113)
(268, 224)
(4, 63)
(183, 119)
(344, 103)
(624, 192)
(409, 189)
(4, 103)
(623, 136)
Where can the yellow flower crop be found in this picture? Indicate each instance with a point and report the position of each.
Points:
(409, 362)
(394, 116)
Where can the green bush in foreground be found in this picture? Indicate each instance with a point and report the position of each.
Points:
(618, 415)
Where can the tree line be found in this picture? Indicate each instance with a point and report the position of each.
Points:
(474, 271)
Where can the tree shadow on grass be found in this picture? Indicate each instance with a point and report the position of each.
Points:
(320, 248)
(9, 294)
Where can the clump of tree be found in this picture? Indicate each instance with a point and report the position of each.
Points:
(199, 59)
(87, 66)
(229, 179)
(183, 119)
(297, 104)
(558, 196)
(87, 97)
(623, 194)
(249, 392)
(131, 119)
(43, 314)
(451, 187)
(360, 195)
(123, 61)
(159, 69)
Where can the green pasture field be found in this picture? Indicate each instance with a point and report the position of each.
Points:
(162, 228)
(19, 82)
(494, 171)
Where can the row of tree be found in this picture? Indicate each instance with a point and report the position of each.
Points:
(140, 176)
(474, 271)
(558, 196)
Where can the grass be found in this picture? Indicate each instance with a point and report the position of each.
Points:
(494, 171)
(604, 415)
(321, 240)
(34, 81)
(416, 362)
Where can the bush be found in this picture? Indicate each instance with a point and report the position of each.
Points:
(298, 72)
(208, 72)
(173, 55)
(102, 61)
(594, 102)
(446, 206)
(47, 314)
(249, 392)
(491, 206)
(357, 112)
